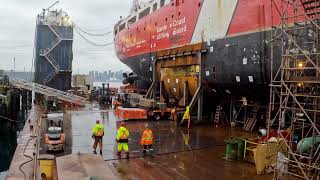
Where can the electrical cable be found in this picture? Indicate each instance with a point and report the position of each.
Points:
(30, 158)
(8, 119)
(101, 29)
(91, 34)
(93, 43)
(167, 153)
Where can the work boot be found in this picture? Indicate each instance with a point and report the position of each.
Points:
(144, 151)
(119, 155)
(100, 152)
(127, 155)
(94, 152)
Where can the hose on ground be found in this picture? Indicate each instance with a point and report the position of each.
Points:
(166, 153)
(29, 157)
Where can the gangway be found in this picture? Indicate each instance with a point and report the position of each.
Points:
(48, 91)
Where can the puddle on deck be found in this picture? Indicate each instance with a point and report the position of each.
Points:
(168, 138)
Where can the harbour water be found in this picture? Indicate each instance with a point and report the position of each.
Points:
(113, 84)
(9, 132)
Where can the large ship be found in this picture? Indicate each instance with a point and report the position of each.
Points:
(236, 33)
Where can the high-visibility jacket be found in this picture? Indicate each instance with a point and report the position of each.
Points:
(186, 114)
(98, 130)
(147, 137)
(123, 134)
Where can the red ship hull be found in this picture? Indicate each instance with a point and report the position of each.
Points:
(235, 32)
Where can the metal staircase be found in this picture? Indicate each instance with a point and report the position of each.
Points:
(48, 91)
(312, 8)
(50, 76)
(46, 54)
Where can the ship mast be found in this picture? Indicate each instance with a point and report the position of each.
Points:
(135, 6)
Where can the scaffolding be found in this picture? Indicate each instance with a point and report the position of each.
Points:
(295, 86)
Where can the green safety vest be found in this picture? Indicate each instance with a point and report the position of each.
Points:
(186, 113)
(98, 130)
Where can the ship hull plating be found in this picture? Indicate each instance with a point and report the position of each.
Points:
(238, 65)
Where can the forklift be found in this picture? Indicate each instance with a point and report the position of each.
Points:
(54, 136)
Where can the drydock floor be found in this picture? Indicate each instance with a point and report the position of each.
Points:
(179, 153)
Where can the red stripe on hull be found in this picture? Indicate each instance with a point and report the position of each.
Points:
(256, 15)
(173, 25)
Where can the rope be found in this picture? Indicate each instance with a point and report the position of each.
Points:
(91, 34)
(93, 43)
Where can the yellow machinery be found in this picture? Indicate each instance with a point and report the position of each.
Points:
(47, 165)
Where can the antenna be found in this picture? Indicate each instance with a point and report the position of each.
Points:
(52, 5)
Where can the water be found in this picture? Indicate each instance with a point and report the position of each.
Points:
(9, 132)
(8, 143)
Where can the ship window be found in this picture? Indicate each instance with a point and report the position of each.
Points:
(237, 78)
(199, 4)
(172, 16)
(132, 20)
(166, 19)
(162, 3)
(179, 13)
(144, 13)
(155, 5)
(122, 26)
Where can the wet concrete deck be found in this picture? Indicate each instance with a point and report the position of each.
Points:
(27, 141)
(179, 153)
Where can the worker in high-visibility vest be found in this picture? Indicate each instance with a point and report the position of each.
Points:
(122, 140)
(147, 139)
(186, 116)
(97, 135)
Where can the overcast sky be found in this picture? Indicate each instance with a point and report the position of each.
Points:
(17, 27)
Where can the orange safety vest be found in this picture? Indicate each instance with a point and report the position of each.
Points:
(147, 137)
(124, 136)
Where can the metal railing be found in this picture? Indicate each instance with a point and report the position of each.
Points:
(48, 91)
